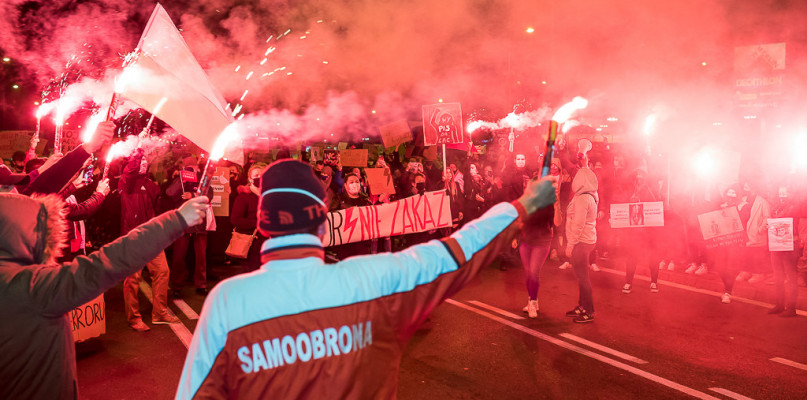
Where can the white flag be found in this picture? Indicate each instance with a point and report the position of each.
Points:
(166, 69)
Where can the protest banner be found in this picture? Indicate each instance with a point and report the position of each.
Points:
(442, 124)
(780, 234)
(414, 214)
(722, 228)
(395, 133)
(220, 183)
(88, 320)
(380, 181)
(637, 215)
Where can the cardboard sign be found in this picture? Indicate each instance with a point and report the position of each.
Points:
(354, 157)
(637, 215)
(11, 141)
(341, 146)
(395, 133)
(220, 183)
(780, 234)
(442, 124)
(413, 214)
(430, 153)
(380, 181)
(187, 176)
(89, 320)
(722, 228)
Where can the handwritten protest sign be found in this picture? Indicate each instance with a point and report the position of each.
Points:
(780, 234)
(354, 157)
(637, 215)
(220, 183)
(410, 215)
(442, 124)
(88, 321)
(380, 180)
(395, 133)
(722, 228)
(316, 153)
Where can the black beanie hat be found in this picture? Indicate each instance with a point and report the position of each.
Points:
(292, 199)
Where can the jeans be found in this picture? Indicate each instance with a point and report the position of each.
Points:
(785, 266)
(638, 254)
(178, 268)
(579, 258)
(533, 258)
(158, 268)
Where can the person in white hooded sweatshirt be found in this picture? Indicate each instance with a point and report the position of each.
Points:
(581, 235)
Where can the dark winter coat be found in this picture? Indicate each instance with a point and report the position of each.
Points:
(37, 354)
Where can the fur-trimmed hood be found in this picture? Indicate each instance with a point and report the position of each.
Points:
(33, 230)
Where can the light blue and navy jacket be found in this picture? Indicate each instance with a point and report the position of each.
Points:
(298, 328)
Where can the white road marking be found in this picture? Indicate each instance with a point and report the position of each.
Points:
(179, 328)
(496, 309)
(629, 368)
(787, 362)
(729, 393)
(186, 309)
(603, 349)
(702, 291)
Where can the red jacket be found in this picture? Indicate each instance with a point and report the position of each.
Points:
(138, 195)
(298, 328)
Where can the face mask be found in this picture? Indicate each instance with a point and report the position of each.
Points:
(420, 186)
(256, 182)
(353, 188)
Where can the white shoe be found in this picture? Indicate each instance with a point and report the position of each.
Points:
(692, 268)
(671, 266)
(701, 270)
(626, 288)
(653, 287)
(662, 265)
(595, 268)
(756, 278)
(726, 299)
(532, 309)
(565, 265)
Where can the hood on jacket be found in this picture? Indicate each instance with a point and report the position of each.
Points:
(585, 181)
(33, 230)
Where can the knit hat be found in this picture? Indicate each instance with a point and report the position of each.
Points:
(292, 199)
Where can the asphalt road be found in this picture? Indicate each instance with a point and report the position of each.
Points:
(678, 343)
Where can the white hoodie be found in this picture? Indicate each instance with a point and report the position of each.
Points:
(581, 214)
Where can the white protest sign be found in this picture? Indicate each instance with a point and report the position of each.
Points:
(722, 228)
(780, 234)
(413, 214)
(637, 215)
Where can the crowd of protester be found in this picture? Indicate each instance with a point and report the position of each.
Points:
(576, 232)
